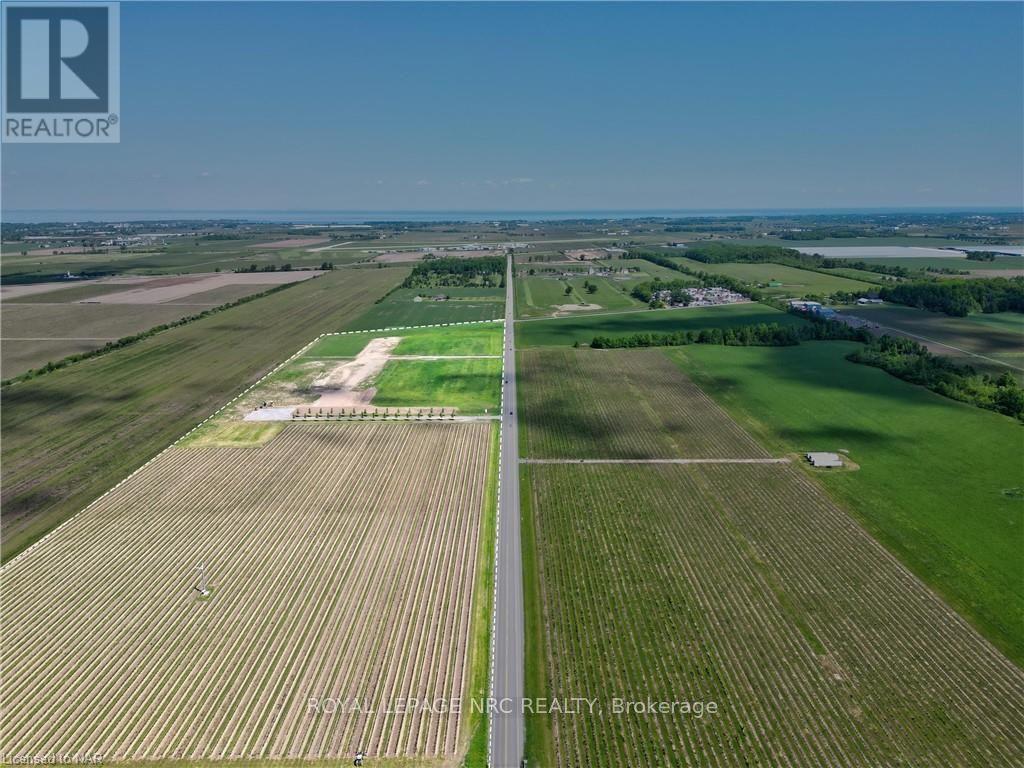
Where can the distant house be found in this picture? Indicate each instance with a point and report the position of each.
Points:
(824, 460)
(805, 306)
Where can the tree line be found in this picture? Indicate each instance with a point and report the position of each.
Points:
(455, 272)
(959, 298)
(718, 253)
(704, 279)
(912, 362)
(751, 335)
(647, 291)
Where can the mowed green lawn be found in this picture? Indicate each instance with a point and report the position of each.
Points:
(536, 296)
(472, 385)
(940, 483)
(401, 307)
(480, 339)
(795, 282)
(998, 338)
(563, 331)
(539, 296)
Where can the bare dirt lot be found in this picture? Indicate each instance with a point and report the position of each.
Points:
(163, 290)
(341, 386)
(8, 292)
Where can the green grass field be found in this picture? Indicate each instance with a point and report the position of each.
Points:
(954, 262)
(564, 331)
(795, 282)
(940, 482)
(72, 434)
(991, 343)
(641, 269)
(540, 296)
(861, 275)
(401, 307)
(471, 385)
(481, 339)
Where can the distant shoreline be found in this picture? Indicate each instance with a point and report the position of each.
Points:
(325, 217)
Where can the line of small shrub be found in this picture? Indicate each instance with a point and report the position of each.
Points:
(126, 341)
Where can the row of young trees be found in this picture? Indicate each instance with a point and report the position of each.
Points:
(752, 335)
(455, 272)
(912, 362)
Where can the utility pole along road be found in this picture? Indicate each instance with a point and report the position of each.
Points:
(507, 729)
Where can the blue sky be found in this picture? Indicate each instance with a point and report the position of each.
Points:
(551, 106)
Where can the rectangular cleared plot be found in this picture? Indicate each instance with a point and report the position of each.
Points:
(744, 585)
(620, 404)
(341, 563)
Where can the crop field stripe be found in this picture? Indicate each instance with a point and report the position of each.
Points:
(664, 596)
(247, 699)
(76, 432)
(575, 402)
(178, 440)
(241, 394)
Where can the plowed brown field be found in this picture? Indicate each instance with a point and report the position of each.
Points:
(341, 560)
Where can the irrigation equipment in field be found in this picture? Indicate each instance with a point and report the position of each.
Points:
(202, 587)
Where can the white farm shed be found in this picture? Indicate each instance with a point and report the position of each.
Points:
(824, 459)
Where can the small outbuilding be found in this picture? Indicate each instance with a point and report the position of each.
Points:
(824, 460)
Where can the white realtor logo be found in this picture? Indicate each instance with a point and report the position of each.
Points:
(35, 59)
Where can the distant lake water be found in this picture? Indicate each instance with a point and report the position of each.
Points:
(71, 215)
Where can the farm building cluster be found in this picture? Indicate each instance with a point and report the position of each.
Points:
(701, 297)
(813, 308)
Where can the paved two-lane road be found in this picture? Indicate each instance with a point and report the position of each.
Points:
(507, 731)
